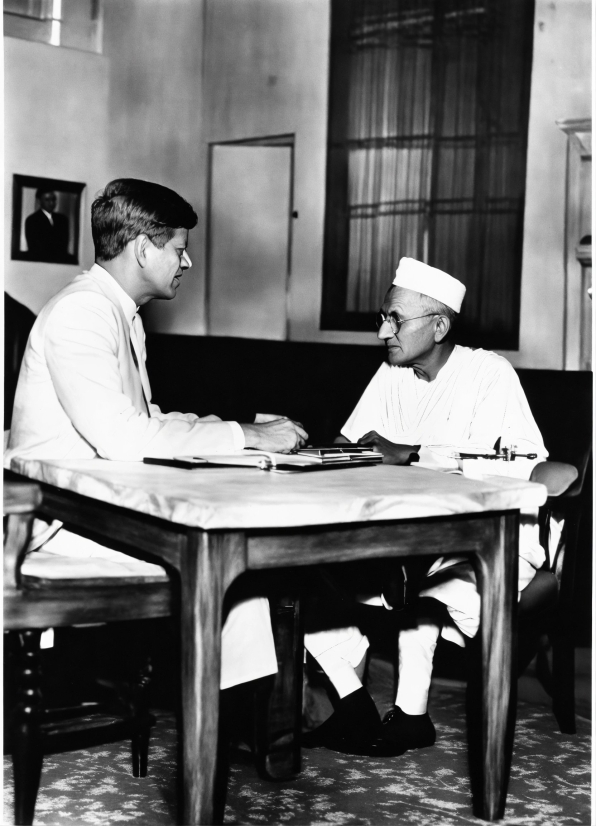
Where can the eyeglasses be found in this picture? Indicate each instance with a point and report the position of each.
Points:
(395, 322)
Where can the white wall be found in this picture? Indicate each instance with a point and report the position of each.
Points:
(561, 72)
(55, 121)
(154, 51)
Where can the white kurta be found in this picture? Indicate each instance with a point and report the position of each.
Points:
(80, 395)
(475, 399)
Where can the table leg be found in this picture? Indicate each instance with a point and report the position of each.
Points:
(207, 567)
(497, 567)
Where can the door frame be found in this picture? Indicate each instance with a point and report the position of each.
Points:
(287, 140)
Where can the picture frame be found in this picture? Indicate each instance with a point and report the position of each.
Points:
(46, 219)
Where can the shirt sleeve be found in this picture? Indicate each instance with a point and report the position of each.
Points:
(238, 439)
(156, 413)
(81, 346)
(237, 435)
(366, 414)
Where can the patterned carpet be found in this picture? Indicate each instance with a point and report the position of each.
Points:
(550, 780)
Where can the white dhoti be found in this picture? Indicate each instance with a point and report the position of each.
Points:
(247, 646)
(452, 580)
(339, 651)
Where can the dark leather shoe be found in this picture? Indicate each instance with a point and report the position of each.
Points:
(355, 724)
(403, 732)
(400, 733)
(327, 732)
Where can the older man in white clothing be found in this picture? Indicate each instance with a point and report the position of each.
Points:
(84, 392)
(430, 400)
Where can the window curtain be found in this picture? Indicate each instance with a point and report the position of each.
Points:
(428, 147)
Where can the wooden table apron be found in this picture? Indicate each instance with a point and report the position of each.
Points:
(208, 561)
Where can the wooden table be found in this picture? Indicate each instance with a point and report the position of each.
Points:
(211, 525)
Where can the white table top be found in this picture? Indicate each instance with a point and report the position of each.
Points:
(238, 498)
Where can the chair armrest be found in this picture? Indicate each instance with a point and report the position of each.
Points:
(556, 476)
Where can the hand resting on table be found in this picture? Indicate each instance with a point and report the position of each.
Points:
(393, 454)
(277, 434)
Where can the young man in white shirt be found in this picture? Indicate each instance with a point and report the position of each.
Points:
(84, 392)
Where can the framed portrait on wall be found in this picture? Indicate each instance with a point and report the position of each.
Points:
(46, 217)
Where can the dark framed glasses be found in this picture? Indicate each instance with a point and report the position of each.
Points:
(395, 322)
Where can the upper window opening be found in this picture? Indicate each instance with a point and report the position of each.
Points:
(76, 24)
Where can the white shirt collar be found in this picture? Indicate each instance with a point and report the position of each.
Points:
(129, 308)
(48, 216)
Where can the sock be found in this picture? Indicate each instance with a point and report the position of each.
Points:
(416, 651)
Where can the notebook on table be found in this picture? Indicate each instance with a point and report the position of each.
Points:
(301, 460)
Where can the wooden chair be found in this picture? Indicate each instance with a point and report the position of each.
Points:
(32, 604)
(545, 608)
(545, 615)
(561, 402)
(546, 605)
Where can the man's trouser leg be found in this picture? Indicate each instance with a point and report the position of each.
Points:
(455, 587)
(339, 652)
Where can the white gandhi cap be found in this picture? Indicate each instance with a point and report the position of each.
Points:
(414, 275)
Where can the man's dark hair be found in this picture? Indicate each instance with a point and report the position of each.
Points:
(42, 190)
(128, 207)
